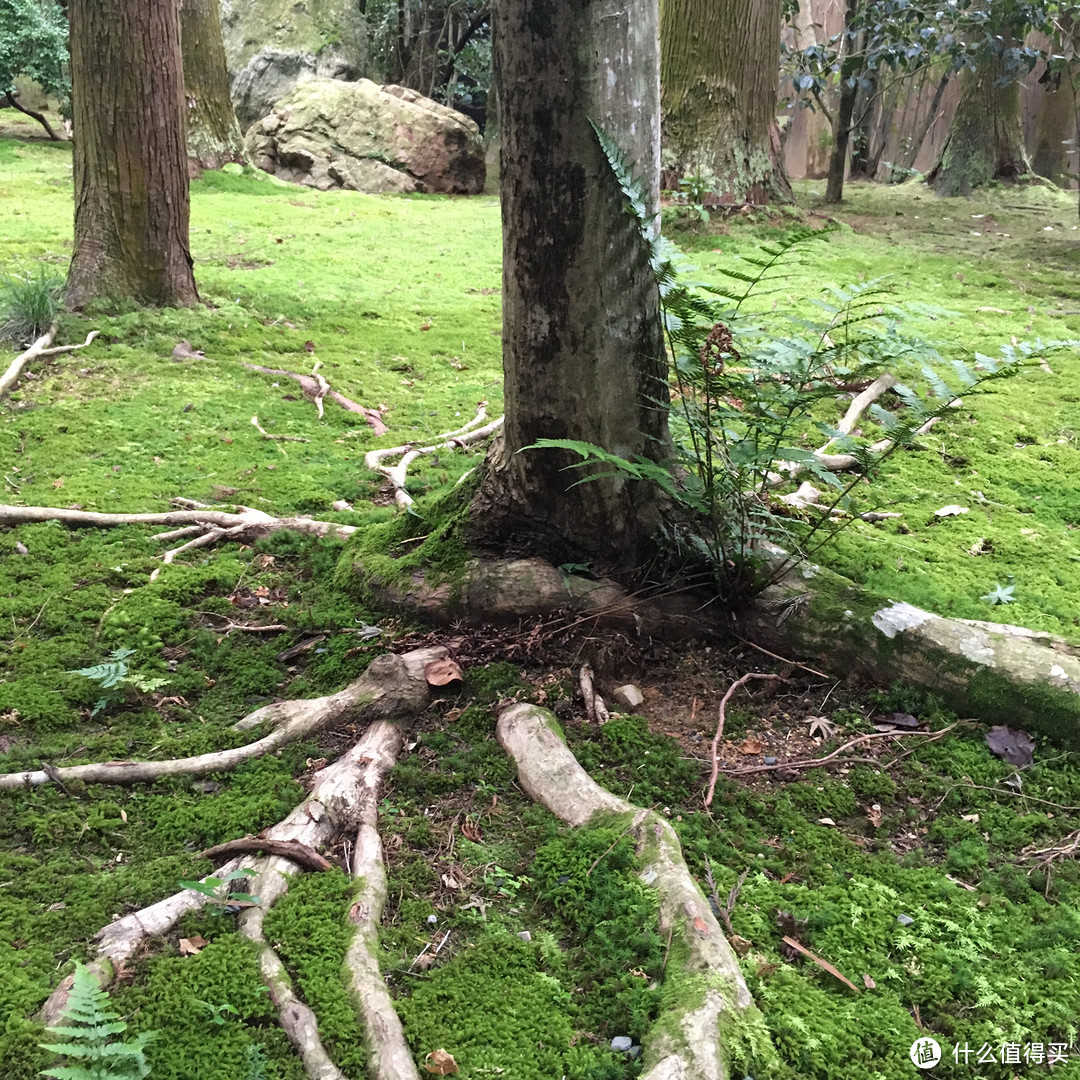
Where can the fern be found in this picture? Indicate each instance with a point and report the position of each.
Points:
(89, 1031)
(111, 673)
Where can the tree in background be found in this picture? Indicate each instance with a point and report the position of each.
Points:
(213, 135)
(33, 43)
(583, 357)
(131, 178)
(719, 71)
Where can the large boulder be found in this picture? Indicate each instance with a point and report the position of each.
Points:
(271, 44)
(331, 134)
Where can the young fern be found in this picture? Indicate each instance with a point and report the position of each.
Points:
(89, 1030)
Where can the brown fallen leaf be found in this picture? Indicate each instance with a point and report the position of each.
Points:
(740, 944)
(442, 672)
(823, 964)
(875, 816)
(58, 482)
(440, 1063)
(752, 744)
(1015, 746)
(869, 983)
(192, 946)
(472, 832)
(700, 925)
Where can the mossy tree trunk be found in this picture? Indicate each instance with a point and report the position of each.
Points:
(985, 140)
(213, 135)
(131, 178)
(583, 355)
(719, 74)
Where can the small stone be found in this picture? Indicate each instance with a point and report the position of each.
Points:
(340, 505)
(622, 1043)
(525, 935)
(634, 1052)
(21, 548)
(432, 920)
(904, 920)
(769, 760)
(628, 695)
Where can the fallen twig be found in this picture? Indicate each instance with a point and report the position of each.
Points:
(39, 348)
(596, 712)
(782, 659)
(823, 964)
(293, 850)
(316, 388)
(741, 681)
(275, 438)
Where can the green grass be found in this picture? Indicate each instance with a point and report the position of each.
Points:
(399, 298)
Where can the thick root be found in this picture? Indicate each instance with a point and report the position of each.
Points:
(392, 686)
(686, 1041)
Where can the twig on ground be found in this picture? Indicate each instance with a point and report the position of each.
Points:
(39, 348)
(783, 659)
(316, 388)
(741, 681)
(450, 440)
(295, 850)
(275, 438)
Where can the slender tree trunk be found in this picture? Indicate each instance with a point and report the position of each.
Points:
(720, 64)
(985, 140)
(845, 109)
(928, 123)
(131, 179)
(213, 135)
(1054, 126)
(583, 356)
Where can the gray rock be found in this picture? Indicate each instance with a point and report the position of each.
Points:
(634, 1052)
(622, 1043)
(331, 134)
(904, 920)
(769, 761)
(628, 695)
(525, 935)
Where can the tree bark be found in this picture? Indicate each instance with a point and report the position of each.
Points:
(131, 180)
(583, 356)
(849, 91)
(719, 75)
(985, 140)
(213, 134)
(1054, 125)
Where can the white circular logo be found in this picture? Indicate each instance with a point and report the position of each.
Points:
(925, 1053)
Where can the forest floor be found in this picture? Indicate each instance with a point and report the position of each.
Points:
(939, 879)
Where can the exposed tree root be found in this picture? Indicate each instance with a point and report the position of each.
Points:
(204, 523)
(121, 939)
(317, 388)
(39, 348)
(450, 440)
(293, 850)
(688, 1043)
(391, 686)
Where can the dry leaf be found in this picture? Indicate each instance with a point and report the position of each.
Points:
(740, 944)
(826, 821)
(821, 725)
(472, 832)
(700, 925)
(973, 818)
(58, 482)
(123, 816)
(752, 744)
(192, 946)
(875, 816)
(424, 961)
(441, 672)
(440, 1063)
(869, 983)
(1015, 746)
(451, 882)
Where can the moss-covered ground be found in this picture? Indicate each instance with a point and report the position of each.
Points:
(397, 298)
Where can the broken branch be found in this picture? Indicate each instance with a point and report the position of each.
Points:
(316, 388)
(741, 681)
(39, 348)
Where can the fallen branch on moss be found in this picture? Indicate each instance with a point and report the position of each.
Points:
(741, 681)
(686, 1040)
(317, 388)
(39, 348)
(391, 686)
(450, 440)
(297, 852)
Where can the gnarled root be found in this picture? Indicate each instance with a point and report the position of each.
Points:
(317, 388)
(392, 686)
(688, 1043)
(39, 348)
(450, 440)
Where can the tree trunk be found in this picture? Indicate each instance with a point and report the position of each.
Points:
(719, 65)
(849, 91)
(583, 356)
(131, 180)
(985, 140)
(1054, 126)
(213, 135)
